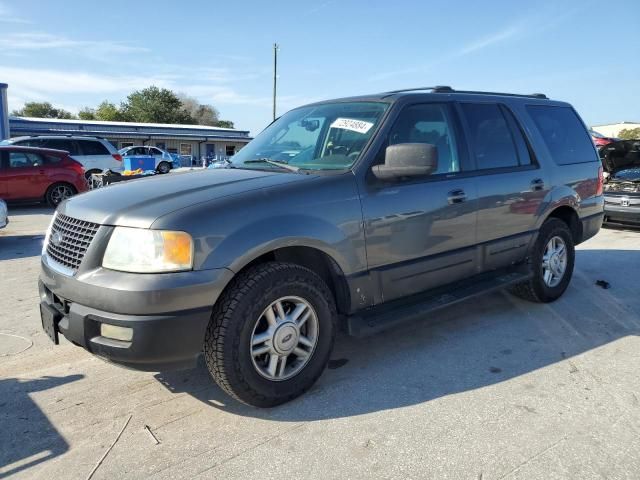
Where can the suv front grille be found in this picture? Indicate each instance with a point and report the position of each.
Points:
(69, 239)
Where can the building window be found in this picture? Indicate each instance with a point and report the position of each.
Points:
(185, 149)
(230, 150)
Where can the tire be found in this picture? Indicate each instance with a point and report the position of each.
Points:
(88, 173)
(242, 311)
(164, 167)
(537, 289)
(58, 192)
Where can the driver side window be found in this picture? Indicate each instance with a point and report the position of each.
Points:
(428, 123)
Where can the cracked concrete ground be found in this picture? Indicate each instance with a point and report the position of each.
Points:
(494, 388)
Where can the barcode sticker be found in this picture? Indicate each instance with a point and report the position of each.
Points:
(359, 126)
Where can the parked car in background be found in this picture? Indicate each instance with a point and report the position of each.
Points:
(94, 153)
(163, 160)
(37, 174)
(4, 214)
(600, 140)
(621, 162)
(395, 205)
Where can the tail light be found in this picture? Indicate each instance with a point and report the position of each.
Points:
(599, 187)
(117, 156)
(75, 165)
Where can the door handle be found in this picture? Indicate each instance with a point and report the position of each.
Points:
(41, 172)
(456, 196)
(537, 184)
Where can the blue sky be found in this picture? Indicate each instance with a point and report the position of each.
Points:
(78, 53)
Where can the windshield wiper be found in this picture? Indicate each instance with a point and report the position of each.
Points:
(284, 165)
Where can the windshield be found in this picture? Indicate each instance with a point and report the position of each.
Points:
(321, 137)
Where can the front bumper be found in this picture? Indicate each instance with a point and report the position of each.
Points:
(616, 213)
(168, 313)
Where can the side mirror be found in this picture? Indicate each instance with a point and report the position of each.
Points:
(407, 160)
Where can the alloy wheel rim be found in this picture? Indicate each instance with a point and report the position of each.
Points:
(60, 193)
(554, 261)
(284, 338)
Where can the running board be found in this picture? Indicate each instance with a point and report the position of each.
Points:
(377, 319)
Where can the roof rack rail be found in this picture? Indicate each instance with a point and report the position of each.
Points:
(447, 89)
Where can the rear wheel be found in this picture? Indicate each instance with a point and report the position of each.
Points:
(164, 167)
(58, 192)
(551, 260)
(271, 334)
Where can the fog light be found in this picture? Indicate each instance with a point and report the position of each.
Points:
(117, 333)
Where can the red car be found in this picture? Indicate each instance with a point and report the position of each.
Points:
(37, 174)
(600, 140)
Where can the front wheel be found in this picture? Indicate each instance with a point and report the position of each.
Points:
(58, 192)
(551, 261)
(271, 334)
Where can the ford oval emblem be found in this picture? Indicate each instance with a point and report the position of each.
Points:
(56, 239)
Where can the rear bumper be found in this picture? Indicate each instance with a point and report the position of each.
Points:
(167, 313)
(591, 225)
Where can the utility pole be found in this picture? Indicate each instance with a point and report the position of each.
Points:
(275, 76)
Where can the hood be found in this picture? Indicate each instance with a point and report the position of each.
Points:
(138, 203)
(621, 155)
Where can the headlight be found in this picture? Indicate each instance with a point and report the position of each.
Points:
(48, 234)
(139, 250)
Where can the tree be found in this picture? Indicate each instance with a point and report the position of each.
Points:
(87, 114)
(41, 110)
(202, 114)
(224, 124)
(630, 134)
(155, 105)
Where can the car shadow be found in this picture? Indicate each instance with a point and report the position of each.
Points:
(477, 343)
(29, 209)
(27, 436)
(20, 246)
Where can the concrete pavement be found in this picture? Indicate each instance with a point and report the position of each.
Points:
(493, 388)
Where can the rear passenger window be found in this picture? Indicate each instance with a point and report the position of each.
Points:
(89, 147)
(61, 144)
(563, 133)
(491, 137)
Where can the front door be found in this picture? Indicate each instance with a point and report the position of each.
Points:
(25, 176)
(421, 232)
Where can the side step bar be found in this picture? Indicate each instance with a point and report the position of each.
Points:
(380, 318)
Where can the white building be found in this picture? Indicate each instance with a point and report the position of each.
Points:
(614, 129)
(189, 140)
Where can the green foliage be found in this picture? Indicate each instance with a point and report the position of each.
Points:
(149, 105)
(155, 105)
(41, 110)
(630, 134)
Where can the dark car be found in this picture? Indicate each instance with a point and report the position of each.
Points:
(388, 207)
(38, 174)
(621, 161)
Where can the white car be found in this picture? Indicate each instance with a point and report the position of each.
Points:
(4, 215)
(94, 153)
(164, 160)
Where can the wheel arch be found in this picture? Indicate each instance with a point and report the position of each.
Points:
(570, 217)
(313, 258)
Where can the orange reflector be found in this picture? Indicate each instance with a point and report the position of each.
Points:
(178, 248)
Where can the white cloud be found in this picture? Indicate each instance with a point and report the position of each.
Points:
(46, 41)
(490, 40)
(7, 16)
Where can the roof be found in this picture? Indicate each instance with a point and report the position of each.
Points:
(168, 126)
(615, 123)
(30, 149)
(442, 92)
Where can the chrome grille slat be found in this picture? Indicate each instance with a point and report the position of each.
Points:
(76, 238)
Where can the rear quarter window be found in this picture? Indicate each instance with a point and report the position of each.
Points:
(90, 147)
(564, 134)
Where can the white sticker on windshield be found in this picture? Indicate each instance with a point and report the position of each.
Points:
(359, 126)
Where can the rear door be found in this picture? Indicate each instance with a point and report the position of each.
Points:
(511, 185)
(421, 232)
(97, 155)
(25, 176)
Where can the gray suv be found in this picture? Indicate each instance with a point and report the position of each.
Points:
(356, 213)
